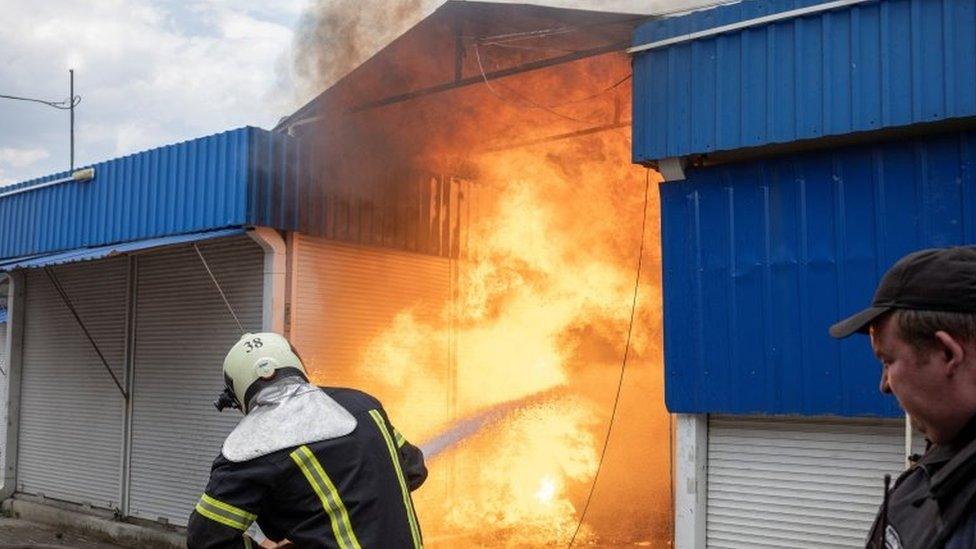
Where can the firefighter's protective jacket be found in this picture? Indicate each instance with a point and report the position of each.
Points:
(351, 492)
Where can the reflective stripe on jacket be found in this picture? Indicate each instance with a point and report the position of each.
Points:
(351, 492)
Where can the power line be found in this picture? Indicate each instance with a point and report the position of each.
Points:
(531, 103)
(65, 105)
(219, 289)
(623, 366)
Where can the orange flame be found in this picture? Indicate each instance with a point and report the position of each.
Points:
(533, 336)
(543, 307)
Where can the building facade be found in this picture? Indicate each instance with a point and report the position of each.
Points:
(806, 146)
(112, 354)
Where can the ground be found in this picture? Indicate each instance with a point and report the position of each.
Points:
(16, 534)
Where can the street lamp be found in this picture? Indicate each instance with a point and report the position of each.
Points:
(66, 105)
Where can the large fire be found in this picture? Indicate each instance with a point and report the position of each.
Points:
(529, 348)
(540, 325)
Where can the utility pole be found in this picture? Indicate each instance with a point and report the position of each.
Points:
(71, 97)
(68, 105)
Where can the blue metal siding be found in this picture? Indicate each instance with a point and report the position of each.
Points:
(405, 210)
(880, 64)
(761, 257)
(193, 186)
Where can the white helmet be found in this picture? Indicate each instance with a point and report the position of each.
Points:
(255, 357)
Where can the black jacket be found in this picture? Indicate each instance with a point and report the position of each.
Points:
(933, 503)
(349, 492)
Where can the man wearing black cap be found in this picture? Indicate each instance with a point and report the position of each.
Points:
(922, 324)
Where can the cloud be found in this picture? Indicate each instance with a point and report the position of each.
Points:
(149, 73)
(152, 72)
(12, 158)
(21, 158)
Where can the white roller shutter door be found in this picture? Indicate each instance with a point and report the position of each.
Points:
(775, 483)
(70, 441)
(344, 296)
(183, 331)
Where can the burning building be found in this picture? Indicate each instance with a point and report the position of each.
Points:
(513, 121)
(455, 226)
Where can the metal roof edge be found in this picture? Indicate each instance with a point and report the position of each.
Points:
(67, 173)
(110, 250)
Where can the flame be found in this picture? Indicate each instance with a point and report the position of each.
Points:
(542, 310)
(511, 384)
(547, 489)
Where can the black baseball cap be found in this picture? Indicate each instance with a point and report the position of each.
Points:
(938, 279)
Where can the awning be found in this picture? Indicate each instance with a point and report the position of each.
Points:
(88, 254)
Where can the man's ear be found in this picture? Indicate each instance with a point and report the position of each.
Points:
(952, 350)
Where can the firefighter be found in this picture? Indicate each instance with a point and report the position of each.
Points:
(314, 467)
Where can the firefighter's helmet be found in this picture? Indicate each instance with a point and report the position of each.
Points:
(254, 358)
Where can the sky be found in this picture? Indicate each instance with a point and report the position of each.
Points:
(154, 72)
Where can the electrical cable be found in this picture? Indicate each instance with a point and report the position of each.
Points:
(67, 104)
(554, 31)
(219, 289)
(524, 35)
(530, 48)
(623, 366)
(535, 104)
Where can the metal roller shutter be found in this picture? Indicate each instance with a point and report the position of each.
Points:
(183, 331)
(344, 296)
(797, 483)
(70, 442)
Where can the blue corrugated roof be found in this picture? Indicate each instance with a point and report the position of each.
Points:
(99, 252)
(879, 64)
(761, 257)
(187, 187)
(200, 185)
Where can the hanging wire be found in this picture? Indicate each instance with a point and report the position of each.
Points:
(553, 31)
(529, 48)
(219, 289)
(531, 102)
(526, 35)
(623, 366)
(67, 104)
(74, 312)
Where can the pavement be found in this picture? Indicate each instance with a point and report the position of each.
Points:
(21, 534)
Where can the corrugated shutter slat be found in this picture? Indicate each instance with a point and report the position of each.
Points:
(797, 483)
(345, 296)
(70, 441)
(183, 331)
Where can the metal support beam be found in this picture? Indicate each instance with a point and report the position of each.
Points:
(11, 382)
(672, 169)
(560, 137)
(463, 82)
(691, 481)
(275, 272)
(458, 50)
(131, 298)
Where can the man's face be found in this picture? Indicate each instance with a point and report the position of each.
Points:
(915, 376)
